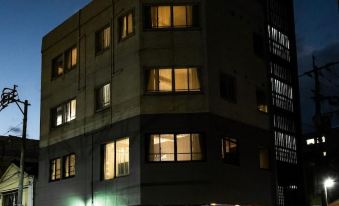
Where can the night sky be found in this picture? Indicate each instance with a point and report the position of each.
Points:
(24, 23)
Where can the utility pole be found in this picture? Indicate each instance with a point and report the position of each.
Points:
(9, 96)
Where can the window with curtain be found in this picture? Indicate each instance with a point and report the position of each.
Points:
(103, 97)
(64, 113)
(69, 166)
(171, 16)
(71, 58)
(55, 169)
(230, 151)
(102, 39)
(173, 80)
(175, 147)
(126, 25)
(262, 102)
(116, 159)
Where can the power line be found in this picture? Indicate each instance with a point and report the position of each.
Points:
(12, 129)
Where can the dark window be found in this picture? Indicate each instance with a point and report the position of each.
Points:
(103, 97)
(10, 198)
(126, 25)
(230, 153)
(55, 169)
(259, 45)
(64, 113)
(171, 16)
(102, 39)
(173, 80)
(69, 166)
(58, 66)
(262, 102)
(228, 87)
(71, 58)
(116, 159)
(175, 147)
(264, 159)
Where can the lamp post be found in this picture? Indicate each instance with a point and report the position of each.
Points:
(8, 96)
(328, 183)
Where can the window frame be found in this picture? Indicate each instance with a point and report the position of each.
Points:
(69, 166)
(96, 93)
(120, 25)
(259, 92)
(103, 160)
(233, 158)
(65, 70)
(203, 148)
(53, 113)
(196, 23)
(52, 169)
(173, 91)
(100, 33)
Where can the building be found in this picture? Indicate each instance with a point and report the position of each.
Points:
(9, 182)
(168, 103)
(322, 162)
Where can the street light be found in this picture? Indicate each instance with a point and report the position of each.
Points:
(328, 183)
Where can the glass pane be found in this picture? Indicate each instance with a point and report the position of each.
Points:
(264, 159)
(164, 16)
(233, 146)
(154, 148)
(124, 27)
(66, 166)
(165, 80)
(154, 16)
(72, 165)
(183, 147)
(68, 59)
(109, 161)
(181, 81)
(58, 68)
(179, 16)
(73, 109)
(106, 95)
(58, 169)
(52, 169)
(167, 147)
(153, 80)
(58, 116)
(122, 157)
(107, 37)
(189, 16)
(196, 147)
(74, 57)
(194, 84)
(130, 23)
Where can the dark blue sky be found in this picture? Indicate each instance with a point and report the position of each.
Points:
(23, 23)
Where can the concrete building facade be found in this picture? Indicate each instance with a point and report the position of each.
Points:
(168, 103)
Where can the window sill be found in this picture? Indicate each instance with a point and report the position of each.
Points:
(100, 52)
(62, 125)
(69, 177)
(121, 40)
(64, 73)
(115, 178)
(103, 109)
(156, 93)
(176, 162)
(57, 180)
(173, 29)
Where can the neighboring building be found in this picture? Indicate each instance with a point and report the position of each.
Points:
(10, 150)
(168, 103)
(9, 182)
(322, 162)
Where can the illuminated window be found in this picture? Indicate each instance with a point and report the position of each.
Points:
(310, 141)
(55, 169)
(171, 16)
(126, 25)
(262, 102)
(175, 147)
(103, 97)
(58, 66)
(103, 39)
(230, 153)
(228, 87)
(64, 113)
(69, 166)
(116, 159)
(264, 159)
(71, 58)
(173, 80)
